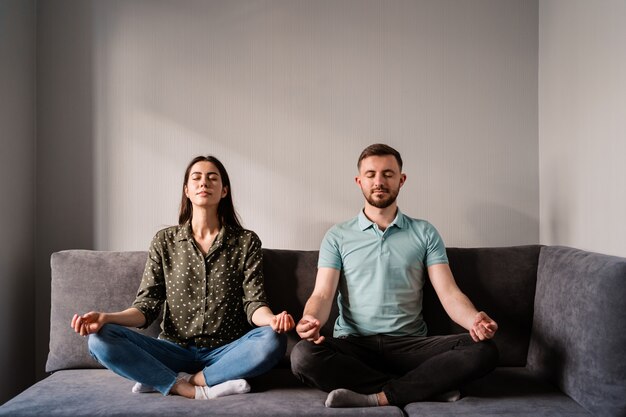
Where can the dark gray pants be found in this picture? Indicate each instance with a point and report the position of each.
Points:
(406, 369)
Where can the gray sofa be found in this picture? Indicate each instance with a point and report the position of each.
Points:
(562, 338)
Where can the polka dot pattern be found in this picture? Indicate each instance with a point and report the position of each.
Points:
(208, 300)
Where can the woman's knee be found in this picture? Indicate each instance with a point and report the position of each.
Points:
(100, 343)
(273, 344)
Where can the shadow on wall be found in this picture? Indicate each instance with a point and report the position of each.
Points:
(65, 147)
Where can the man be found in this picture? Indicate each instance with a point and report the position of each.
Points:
(380, 353)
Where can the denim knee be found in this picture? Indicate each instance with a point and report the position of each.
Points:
(274, 345)
(99, 343)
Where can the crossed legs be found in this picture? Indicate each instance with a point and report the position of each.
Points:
(404, 369)
(156, 363)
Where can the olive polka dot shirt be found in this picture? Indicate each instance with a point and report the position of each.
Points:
(208, 300)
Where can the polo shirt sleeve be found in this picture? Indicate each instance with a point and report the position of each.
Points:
(435, 248)
(151, 293)
(330, 253)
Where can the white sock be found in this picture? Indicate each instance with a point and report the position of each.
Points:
(234, 386)
(140, 388)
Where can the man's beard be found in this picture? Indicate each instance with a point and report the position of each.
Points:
(384, 202)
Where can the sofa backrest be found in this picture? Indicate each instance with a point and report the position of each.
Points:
(579, 329)
(82, 281)
(500, 281)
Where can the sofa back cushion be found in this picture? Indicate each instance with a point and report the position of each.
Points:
(579, 329)
(500, 281)
(289, 281)
(82, 281)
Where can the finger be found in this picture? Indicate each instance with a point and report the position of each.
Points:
(473, 335)
(78, 324)
(319, 340)
(305, 327)
(480, 333)
(306, 335)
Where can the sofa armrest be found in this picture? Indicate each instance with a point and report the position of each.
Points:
(579, 327)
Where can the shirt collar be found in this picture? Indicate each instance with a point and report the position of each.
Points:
(365, 223)
(185, 233)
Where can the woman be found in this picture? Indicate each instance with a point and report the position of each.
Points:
(207, 275)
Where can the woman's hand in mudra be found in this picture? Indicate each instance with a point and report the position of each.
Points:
(282, 322)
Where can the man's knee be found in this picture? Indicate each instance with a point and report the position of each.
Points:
(303, 358)
(487, 355)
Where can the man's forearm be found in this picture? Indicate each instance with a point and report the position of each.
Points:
(460, 309)
(318, 307)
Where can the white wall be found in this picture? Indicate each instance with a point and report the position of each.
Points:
(287, 94)
(582, 124)
(17, 188)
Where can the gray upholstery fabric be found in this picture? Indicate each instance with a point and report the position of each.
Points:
(99, 392)
(83, 281)
(579, 330)
(500, 281)
(289, 281)
(577, 339)
(504, 392)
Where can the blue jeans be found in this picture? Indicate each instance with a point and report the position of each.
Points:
(156, 362)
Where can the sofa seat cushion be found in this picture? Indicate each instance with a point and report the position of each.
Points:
(504, 392)
(99, 392)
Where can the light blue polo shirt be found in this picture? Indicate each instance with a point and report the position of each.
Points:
(382, 274)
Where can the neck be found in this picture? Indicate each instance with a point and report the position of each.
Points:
(381, 216)
(205, 222)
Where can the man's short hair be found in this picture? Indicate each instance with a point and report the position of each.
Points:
(379, 149)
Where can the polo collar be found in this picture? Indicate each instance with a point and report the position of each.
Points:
(365, 223)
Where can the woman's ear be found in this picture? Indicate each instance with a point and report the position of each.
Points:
(224, 191)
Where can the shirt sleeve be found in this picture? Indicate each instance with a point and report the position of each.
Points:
(330, 253)
(253, 283)
(435, 248)
(151, 293)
